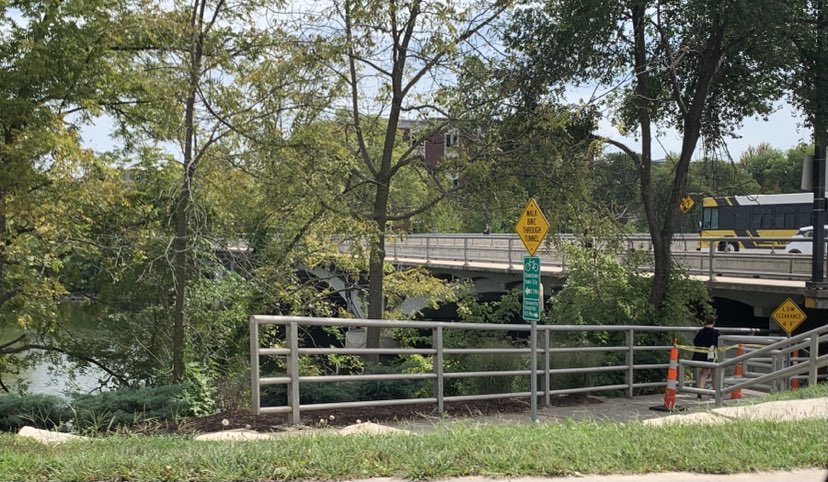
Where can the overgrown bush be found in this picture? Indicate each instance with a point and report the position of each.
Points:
(128, 406)
(309, 393)
(490, 362)
(41, 411)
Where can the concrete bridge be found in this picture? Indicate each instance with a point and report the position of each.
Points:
(752, 284)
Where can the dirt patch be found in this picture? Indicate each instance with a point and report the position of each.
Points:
(383, 415)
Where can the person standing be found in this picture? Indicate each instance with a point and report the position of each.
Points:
(486, 230)
(706, 338)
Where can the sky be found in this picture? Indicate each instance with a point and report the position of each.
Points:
(782, 130)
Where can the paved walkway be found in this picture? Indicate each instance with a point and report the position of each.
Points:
(640, 408)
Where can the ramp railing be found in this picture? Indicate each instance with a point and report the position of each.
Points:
(641, 363)
(775, 357)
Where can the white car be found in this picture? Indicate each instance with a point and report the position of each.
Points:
(803, 241)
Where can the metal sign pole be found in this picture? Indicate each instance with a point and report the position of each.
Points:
(534, 383)
(531, 227)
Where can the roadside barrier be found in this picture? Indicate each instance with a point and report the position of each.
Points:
(737, 370)
(672, 372)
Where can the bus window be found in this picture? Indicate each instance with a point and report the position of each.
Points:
(710, 218)
(804, 215)
(785, 218)
(756, 215)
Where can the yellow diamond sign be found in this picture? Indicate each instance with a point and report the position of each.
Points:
(686, 204)
(788, 315)
(532, 226)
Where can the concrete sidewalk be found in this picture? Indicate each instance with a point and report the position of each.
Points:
(645, 409)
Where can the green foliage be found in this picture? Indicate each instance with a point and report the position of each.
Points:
(490, 362)
(601, 289)
(42, 411)
(773, 170)
(351, 391)
(198, 391)
(128, 406)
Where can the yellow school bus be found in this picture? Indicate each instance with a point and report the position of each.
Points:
(755, 216)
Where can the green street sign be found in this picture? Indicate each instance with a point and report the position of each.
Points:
(532, 300)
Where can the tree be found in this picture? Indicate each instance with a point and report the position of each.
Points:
(773, 170)
(398, 56)
(698, 66)
(206, 78)
(56, 70)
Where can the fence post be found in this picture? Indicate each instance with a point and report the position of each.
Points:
(718, 378)
(774, 386)
(813, 353)
(293, 372)
(438, 368)
(630, 361)
(546, 363)
(428, 249)
(711, 272)
(509, 250)
(254, 364)
(465, 251)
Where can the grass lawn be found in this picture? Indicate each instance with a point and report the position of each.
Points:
(449, 450)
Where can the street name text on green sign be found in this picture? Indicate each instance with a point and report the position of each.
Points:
(532, 288)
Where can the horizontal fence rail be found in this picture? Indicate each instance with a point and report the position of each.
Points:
(287, 351)
(699, 256)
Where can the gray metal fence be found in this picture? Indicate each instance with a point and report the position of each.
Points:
(289, 347)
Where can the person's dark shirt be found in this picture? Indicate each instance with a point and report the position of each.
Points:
(705, 338)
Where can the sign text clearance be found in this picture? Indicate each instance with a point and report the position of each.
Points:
(788, 315)
(532, 226)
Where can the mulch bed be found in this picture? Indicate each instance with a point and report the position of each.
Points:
(348, 416)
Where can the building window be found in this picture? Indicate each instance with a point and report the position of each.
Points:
(452, 138)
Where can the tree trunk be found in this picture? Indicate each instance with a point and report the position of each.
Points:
(3, 290)
(376, 273)
(182, 232)
(661, 253)
(182, 208)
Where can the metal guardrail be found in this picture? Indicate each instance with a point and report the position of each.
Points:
(782, 367)
(508, 250)
(291, 349)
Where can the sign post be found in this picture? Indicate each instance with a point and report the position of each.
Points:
(532, 227)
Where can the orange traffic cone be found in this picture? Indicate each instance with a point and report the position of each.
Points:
(736, 394)
(794, 381)
(672, 371)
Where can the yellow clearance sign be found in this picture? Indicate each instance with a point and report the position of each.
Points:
(788, 315)
(532, 226)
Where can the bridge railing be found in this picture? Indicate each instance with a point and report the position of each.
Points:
(507, 252)
(633, 343)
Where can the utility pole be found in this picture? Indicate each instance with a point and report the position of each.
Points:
(820, 139)
(818, 219)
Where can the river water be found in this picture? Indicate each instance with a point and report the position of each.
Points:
(49, 375)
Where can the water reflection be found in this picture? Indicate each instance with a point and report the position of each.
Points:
(50, 376)
(50, 372)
